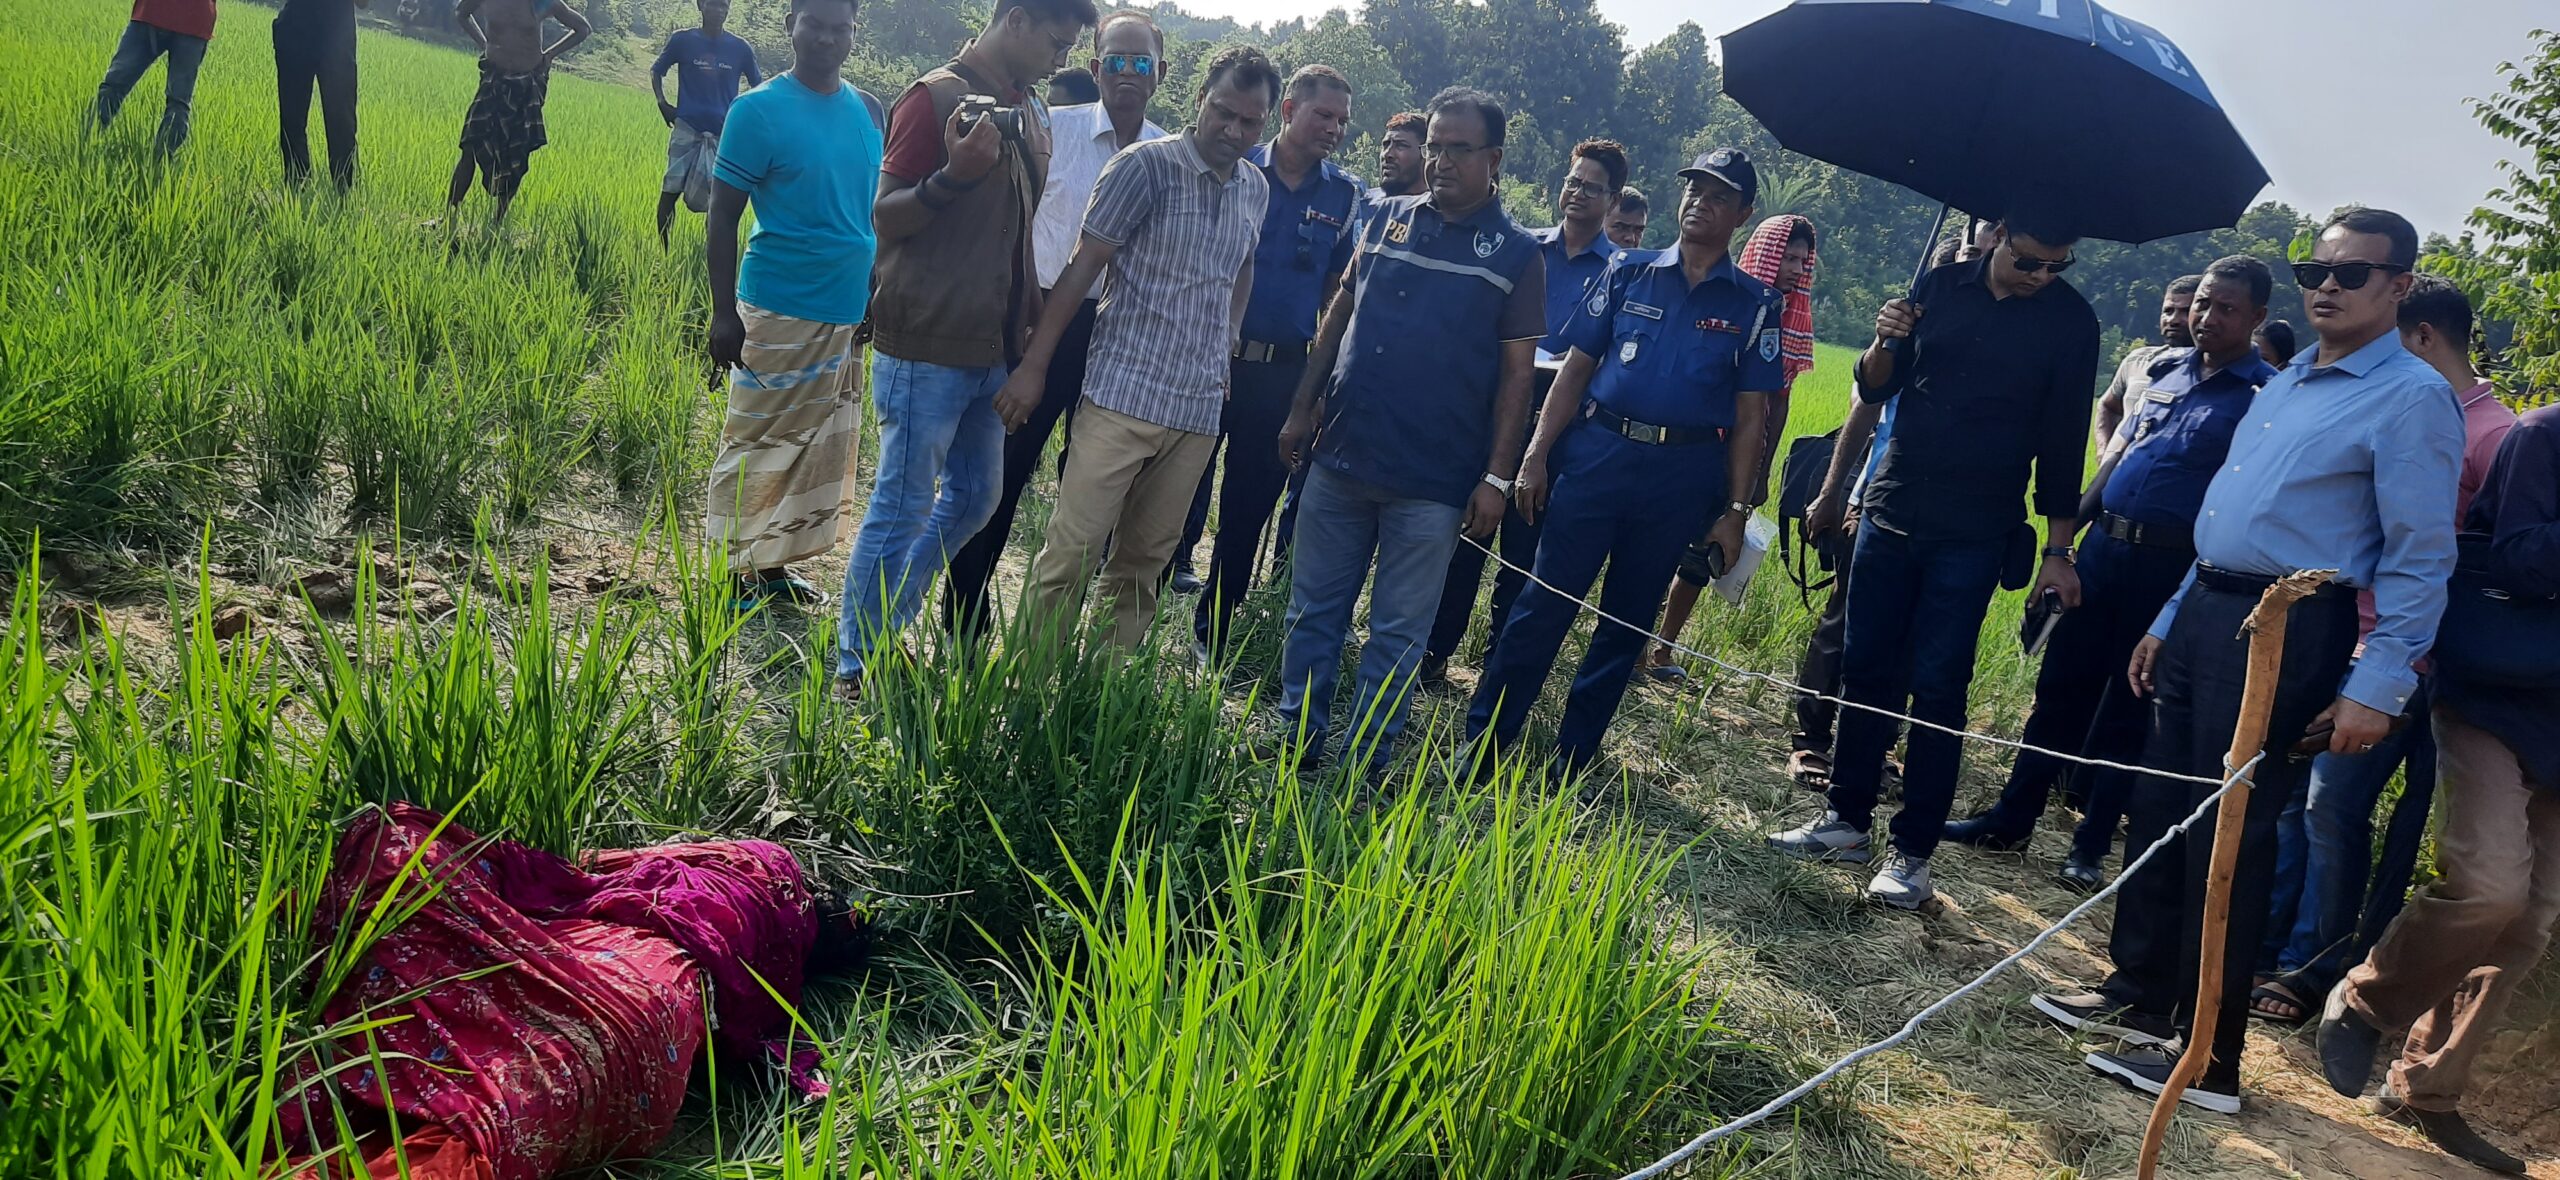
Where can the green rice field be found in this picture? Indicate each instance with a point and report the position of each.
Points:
(310, 503)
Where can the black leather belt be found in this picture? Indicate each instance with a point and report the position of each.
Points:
(1265, 353)
(2158, 536)
(1647, 432)
(2235, 582)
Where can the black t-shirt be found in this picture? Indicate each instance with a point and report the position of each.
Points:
(1990, 388)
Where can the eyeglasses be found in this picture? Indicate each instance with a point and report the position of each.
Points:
(2028, 265)
(1141, 64)
(1576, 184)
(1452, 152)
(2351, 276)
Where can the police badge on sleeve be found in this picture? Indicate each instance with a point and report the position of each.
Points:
(1769, 344)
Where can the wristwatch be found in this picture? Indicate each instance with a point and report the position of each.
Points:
(1498, 483)
(1738, 506)
(2061, 551)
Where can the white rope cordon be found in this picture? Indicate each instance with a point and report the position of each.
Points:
(1911, 1026)
(1843, 702)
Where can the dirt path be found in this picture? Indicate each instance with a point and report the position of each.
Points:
(1990, 1090)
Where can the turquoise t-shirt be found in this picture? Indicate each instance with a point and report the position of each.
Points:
(810, 165)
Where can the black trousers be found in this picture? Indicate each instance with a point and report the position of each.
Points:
(2195, 707)
(1517, 541)
(2083, 703)
(321, 57)
(1820, 668)
(973, 569)
(1258, 396)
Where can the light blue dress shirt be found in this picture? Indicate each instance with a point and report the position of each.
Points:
(2350, 467)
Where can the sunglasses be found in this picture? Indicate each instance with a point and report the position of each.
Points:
(1143, 65)
(2351, 276)
(1454, 153)
(2028, 265)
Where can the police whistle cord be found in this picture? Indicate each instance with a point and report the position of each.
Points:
(1781, 1102)
(1791, 686)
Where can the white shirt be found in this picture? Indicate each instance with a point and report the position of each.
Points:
(1081, 142)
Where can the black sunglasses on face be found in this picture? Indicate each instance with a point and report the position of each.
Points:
(2351, 276)
(2032, 265)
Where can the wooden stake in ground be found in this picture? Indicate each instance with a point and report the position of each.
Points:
(2257, 697)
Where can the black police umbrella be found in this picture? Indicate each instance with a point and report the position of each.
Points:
(1995, 106)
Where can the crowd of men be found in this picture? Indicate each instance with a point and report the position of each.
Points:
(1404, 383)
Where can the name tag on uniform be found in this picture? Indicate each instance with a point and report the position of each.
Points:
(1635, 308)
(1711, 324)
(2159, 397)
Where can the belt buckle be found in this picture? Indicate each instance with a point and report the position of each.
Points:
(1646, 432)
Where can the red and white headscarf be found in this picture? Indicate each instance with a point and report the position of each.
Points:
(1760, 259)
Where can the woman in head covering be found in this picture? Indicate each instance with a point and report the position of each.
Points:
(1781, 254)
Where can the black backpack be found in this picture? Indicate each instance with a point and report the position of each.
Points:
(1800, 478)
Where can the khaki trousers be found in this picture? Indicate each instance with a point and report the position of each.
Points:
(2453, 959)
(1125, 477)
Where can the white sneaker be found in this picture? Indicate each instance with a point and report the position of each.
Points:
(1903, 882)
(1827, 838)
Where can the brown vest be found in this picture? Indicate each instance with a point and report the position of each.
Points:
(961, 292)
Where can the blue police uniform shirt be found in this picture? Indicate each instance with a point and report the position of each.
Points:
(2177, 436)
(1306, 238)
(1673, 354)
(1570, 275)
(1410, 404)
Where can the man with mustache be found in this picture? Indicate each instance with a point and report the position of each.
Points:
(1175, 221)
(2347, 461)
(2133, 376)
(1297, 267)
(1420, 383)
(1576, 254)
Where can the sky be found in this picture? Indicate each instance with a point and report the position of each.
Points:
(2345, 101)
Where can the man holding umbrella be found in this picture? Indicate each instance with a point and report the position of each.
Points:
(1992, 361)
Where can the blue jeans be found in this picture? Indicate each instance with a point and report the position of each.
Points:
(1915, 618)
(2335, 923)
(1630, 506)
(938, 426)
(1342, 524)
(142, 45)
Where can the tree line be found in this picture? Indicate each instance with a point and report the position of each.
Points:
(1565, 73)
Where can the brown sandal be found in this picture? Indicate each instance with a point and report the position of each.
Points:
(1811, 769)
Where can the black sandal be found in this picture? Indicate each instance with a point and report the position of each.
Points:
(2264, 997)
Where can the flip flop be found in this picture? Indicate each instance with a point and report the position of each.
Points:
(2264, 998)
(1667, 674)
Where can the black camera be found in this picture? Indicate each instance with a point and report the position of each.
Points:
(974, 107)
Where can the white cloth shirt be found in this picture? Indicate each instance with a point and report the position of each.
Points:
(1081, 142)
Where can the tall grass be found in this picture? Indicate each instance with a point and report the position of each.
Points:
(1145, 957)
(184, 340)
